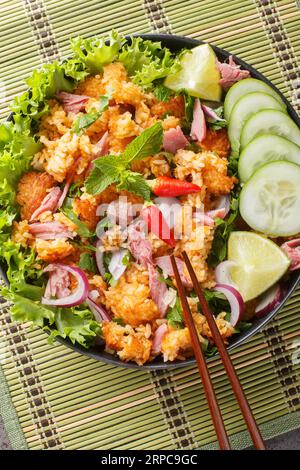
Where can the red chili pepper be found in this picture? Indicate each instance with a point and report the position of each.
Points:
(165, 186)
(157, 224)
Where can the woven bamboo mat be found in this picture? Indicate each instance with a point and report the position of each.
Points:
(52, 397)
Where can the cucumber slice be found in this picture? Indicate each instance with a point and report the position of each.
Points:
(243, 87)
(264, 149)
(244, 108)
(270, 122)
(270, 200)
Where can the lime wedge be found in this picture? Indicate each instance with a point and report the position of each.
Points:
(199, 74)
(259, 263)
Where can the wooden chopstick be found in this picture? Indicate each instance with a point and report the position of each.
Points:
(202, 366)
(234, 380)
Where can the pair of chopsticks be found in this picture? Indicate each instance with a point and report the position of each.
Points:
(202, 366)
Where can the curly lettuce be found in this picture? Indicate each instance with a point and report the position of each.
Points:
(147, 61)
(95, 52)
(76, 324)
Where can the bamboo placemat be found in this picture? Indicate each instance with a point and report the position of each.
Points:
(52, 397)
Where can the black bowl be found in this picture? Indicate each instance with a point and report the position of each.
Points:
(175, 43)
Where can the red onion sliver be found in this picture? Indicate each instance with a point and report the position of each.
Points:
(221, 209)
(116, 266)
(198, 128)
(269, 301)
(211, 113)
(235, 300)
(292, 250)
(75, 298)
(99, 313)
(64, 193)
(222, 273)
(99, 258)
(203, 219)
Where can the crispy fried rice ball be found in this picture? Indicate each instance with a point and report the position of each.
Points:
(130, 298)
(32, 189)
(131, 344)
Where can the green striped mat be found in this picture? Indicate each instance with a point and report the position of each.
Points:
(52, 397)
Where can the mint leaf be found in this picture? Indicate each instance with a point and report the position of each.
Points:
(111, 165)
(82, 229)
(135, 183)
(147, 143)
(87, 263)
(84, 121)
(96, 182)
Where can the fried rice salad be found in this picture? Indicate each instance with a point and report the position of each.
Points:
(113, 160)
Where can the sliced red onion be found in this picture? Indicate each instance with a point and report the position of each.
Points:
(221, 209)
(116, 266)
(158, 337)
(75, 298)
(170, 207)
(99, 313)
(64, 193)
(211, 113)
(198, 128)
(222, 273)
(99, 258)
(203, 219)
(72, 103)
(292, 249)
(269, 301)
(101, 147)
(94, 294)
(235, 300)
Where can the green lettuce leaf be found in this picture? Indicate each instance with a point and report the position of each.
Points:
(77, 325)
(94, 53)
(44, 83)
(138, 54)
(26, 310)
(22, 268)
(147, 61)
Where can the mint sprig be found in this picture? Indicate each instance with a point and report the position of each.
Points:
(116, 169)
